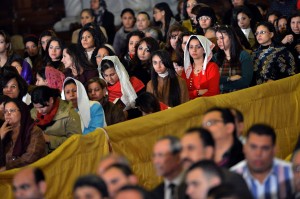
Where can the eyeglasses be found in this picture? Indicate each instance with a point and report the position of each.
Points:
(10, 111)
(211, 123)
(12, 87)
(204, 18)
(261, 32)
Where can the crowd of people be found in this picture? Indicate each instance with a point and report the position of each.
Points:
(102, 77)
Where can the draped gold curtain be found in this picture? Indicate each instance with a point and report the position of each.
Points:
(275, 103)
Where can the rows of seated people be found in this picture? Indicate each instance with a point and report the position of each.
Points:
(208, 162)
(56, 91)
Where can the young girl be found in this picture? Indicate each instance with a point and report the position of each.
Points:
(54, 54)
(165, 84)
(128, 22)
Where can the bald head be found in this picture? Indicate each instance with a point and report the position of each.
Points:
(109, 160)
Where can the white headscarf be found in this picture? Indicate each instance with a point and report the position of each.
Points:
(128, 92)
(83, 102)
(207, 46)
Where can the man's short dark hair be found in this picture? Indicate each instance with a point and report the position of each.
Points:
(209, 167)
(125, 169)
(38, 175)
(226, 115)
(262, 129)
(92, 181)
(204, 136)
(223, 191)
(175, 146)
(140, 190)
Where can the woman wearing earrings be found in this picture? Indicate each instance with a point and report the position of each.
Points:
(235, 64)
(202, 76)
(165, 84)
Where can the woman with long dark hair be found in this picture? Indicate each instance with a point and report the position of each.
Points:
(77, 66)
(165, 84)
(163, 16)
(54, 54)
(235, 64)
(21, 141)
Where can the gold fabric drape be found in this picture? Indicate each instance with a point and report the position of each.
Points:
(275, 103)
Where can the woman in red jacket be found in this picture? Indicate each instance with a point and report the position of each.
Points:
(202, 76)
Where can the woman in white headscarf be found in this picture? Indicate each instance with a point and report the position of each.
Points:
(120, 85)
(91, 112)
(202, 76)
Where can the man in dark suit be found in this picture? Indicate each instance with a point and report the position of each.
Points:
(166, 161)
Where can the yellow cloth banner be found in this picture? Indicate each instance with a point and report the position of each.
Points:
(275, 103)
(78, 155)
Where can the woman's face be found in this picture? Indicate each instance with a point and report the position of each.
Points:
(111, 76)
(71, 93)
(11, 89)
(174, 39)
(295, 25)
(3, 45)
(195, 49)
(281, 24)
(243, 20)
(44, 41)
(189, 6)
(86, 18)
(272, 18)
(158, 65)
(205, 22)
(40, 81)
(95, 4)
(67, 60)
(102, 52)
(44, 110)
(87, 41)
(223, 41)
(17, 65)
(143, 52)
(95, 91)
(184, 42)
(54, 51)
(158, 15)
(133, 41)
(12, 114)
(127, 20)
(142, 22)
(31, 48)
(263, 36)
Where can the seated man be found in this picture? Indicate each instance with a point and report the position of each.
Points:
(201, 177)
(266, 176)
(296, 172)
(197, 144)
(29, 183)
(117, 176)
(132, 192)
(221, 124)
(166, 161)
